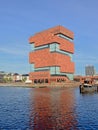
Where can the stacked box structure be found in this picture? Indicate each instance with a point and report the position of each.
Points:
(51, 55)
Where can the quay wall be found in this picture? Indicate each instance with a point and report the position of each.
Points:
(52, 85)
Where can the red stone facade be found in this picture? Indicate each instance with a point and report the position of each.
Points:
(51, 55)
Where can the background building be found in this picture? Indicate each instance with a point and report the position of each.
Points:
(51, 55)
(89, 71)
(2, 73)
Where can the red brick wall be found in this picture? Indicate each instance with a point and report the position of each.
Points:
(39, 75)
(44, 58)
(48, 37)
(48, 34)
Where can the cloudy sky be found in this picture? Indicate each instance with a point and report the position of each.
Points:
(19, 19)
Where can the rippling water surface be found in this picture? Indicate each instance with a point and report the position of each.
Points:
(47, 109)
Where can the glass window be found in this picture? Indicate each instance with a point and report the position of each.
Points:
(32, 67)
(65, 37)
(32, 47)
(54, 47)
(54, 70)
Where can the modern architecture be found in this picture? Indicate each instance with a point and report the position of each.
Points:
(51, 55)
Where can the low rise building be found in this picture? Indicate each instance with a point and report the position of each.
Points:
(2, 73)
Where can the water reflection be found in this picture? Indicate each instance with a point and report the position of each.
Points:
(47, 109)
(52, 109)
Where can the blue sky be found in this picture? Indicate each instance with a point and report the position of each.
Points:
(20, 19)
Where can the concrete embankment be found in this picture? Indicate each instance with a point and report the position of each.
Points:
(52, 85)
(14, 84)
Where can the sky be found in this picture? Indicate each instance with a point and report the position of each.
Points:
(20, 19)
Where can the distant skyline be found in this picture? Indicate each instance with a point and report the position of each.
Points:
(20, 19)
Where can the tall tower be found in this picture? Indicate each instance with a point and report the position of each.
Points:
(51, 55)
(89, 70)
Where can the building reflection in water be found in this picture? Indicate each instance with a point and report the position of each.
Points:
(52, 109)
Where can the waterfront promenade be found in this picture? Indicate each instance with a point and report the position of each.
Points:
(53, 85)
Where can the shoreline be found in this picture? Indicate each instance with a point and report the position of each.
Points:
(52, 85)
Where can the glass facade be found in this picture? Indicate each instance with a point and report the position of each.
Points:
(65, 37)
(54, 70)
(55, 44)
(54, 47)
(32, 67)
